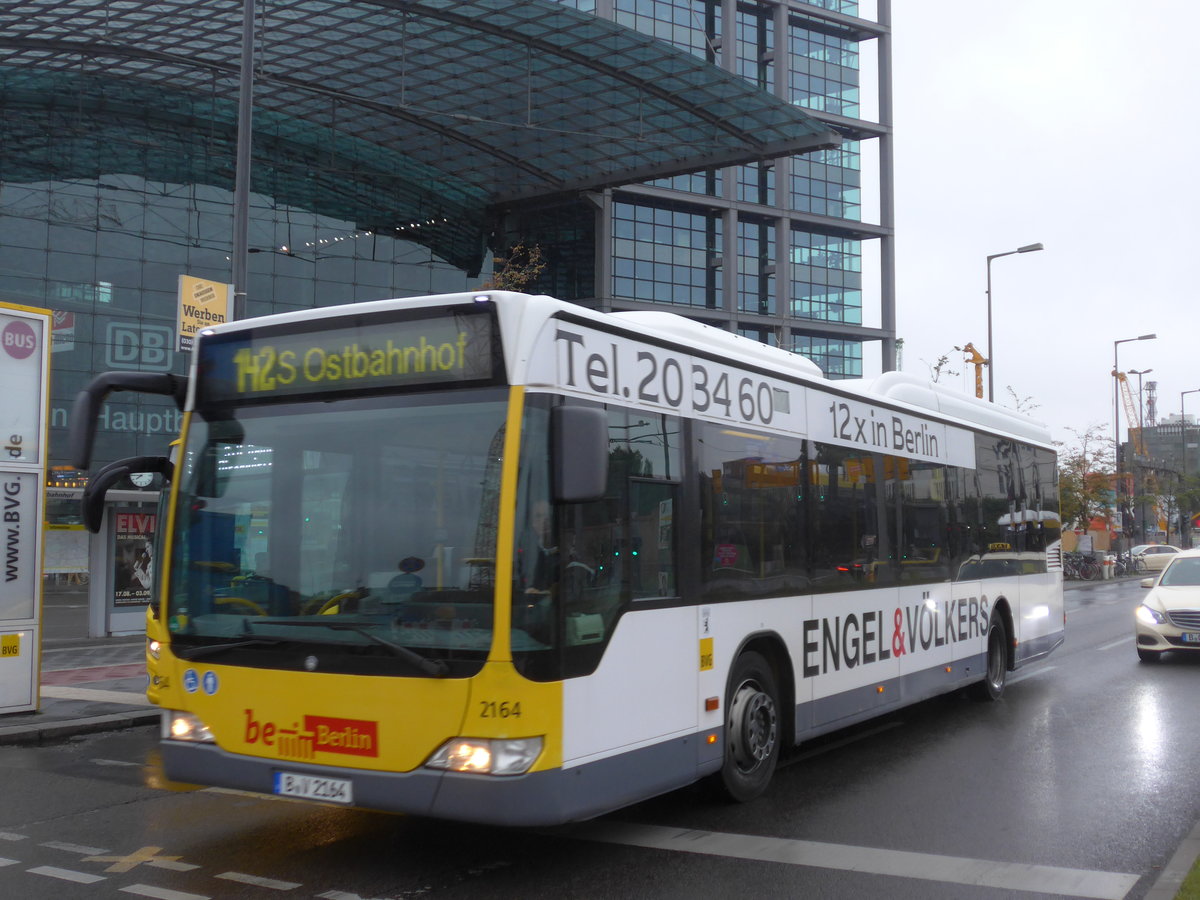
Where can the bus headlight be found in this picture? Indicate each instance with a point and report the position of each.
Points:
(487, 756)
(182, 726)
(153, 648)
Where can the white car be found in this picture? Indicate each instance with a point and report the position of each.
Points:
(1154, 556)
(1169, 616)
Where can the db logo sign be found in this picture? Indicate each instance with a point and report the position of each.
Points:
(18, 339)
(132, 345)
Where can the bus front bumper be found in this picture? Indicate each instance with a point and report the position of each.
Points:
(550, 797)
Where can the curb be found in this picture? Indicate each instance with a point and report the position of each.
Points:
(54, 732)
(1075, 583)
(91, 643)
(1176, 871)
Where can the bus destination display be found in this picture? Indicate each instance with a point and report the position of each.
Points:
(370, 355)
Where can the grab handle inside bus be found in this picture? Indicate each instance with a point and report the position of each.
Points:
(580, 444)
(92, 502)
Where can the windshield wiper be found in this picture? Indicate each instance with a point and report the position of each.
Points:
(208, 650)
(428, 666)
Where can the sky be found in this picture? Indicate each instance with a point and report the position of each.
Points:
(1064, 122)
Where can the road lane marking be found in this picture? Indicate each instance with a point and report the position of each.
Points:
(66, 874)
(149, 890)
(131, 860)
(171, 865)
(9, 836)
(259, 882)
(7, 862)
(75, 848)
(1123, 642)
(868, 860)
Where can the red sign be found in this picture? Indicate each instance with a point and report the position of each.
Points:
(353, 736)
(725, 555)
(320, 734)
(133, 572)
(18, 339)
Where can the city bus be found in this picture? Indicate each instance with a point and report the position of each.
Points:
(499, 558)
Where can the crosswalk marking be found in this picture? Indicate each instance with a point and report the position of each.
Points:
(75, 848)
(172, 865)
(158, 893)
(259, 882)
(66, 874)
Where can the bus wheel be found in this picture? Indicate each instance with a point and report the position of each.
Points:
(993, 682)
(751, 729)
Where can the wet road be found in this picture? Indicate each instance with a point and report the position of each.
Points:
(1080, 782)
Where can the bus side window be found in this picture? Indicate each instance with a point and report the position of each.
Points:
(752, 495)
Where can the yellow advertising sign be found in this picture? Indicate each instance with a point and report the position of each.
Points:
(201, 304)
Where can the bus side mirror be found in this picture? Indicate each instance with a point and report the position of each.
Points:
(88, 402)
(98, 486)
(579, 437)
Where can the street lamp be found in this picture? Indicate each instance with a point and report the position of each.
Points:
(1140, 442)
(1183, 461)
(1117, 417)
(1028, 248)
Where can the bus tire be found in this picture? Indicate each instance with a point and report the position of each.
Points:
(996, 673)
(751, 729)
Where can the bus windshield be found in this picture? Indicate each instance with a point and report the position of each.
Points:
(356, 535)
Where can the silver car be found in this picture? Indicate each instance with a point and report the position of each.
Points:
(1169, 616)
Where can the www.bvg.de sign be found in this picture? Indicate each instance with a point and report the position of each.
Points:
(25, 374)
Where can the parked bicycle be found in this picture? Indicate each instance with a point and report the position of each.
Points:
(1128, 564)
(1081, 566)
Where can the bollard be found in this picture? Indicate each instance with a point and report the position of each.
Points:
(1106, 569)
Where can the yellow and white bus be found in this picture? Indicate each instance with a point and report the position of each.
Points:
(499, 558)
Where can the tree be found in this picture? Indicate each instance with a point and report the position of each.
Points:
(941, 367)
(518, 270)
(1085, 476)
(1023, 405)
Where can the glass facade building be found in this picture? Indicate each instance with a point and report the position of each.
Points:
(105, 255)
(772, 251)
(109, 191)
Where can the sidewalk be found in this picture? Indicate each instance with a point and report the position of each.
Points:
(87, 684)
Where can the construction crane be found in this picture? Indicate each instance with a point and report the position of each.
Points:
(1131, 413)
(975, 358)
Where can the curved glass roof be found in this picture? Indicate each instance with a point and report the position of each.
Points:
(418, 117)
